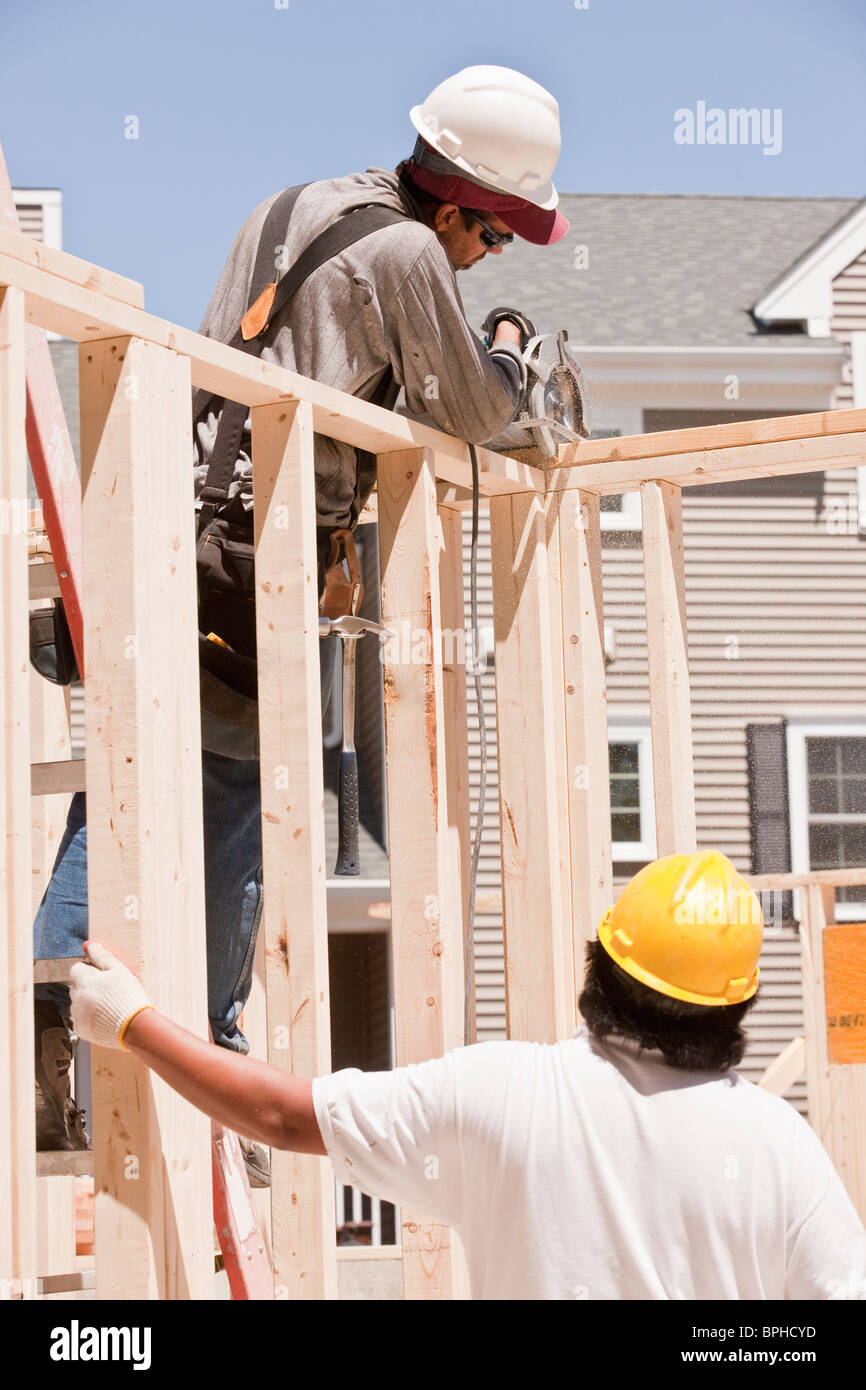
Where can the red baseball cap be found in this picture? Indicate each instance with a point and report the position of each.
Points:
(541, 226)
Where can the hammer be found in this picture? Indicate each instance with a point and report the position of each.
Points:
(349, 629)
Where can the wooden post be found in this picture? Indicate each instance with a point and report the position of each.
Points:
(836, 1093)
(533, 797)
(812, 924)
(49, 741)
(426, 891)
(18, 1270)
(667, 656)
(154, 1224)
(587, 759)
(293, 829)
(455, 654)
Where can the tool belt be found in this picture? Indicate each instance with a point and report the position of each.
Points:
(227, 624)
(51, 650)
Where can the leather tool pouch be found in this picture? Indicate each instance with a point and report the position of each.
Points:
(51, 649)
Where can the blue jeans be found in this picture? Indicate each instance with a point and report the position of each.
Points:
(231, 801)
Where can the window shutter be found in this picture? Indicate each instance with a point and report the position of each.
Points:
(768, 803)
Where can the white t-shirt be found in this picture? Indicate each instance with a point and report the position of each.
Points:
(592, 1170)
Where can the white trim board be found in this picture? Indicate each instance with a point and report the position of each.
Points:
(805, 293)
(796, 733)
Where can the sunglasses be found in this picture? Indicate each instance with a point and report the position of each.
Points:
(489, 237)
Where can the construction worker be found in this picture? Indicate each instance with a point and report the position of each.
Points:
(629, 1162)
(382, 315)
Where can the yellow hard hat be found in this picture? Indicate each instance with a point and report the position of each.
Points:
(690, 927)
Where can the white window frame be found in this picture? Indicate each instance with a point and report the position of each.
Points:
(798, 795)
(636, 851)
(629, 519)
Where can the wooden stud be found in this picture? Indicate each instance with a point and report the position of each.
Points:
(293, 829)
(837, 1094)
(255, 1028)
(587, 759)
(17, 1115)
(154, 1222)
(426, 890)
(812, 924)
(50, 738)
(785, 1069)
(533, 797)
(456, 651)
(667, 657)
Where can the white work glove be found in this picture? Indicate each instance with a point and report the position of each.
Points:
(105, 998)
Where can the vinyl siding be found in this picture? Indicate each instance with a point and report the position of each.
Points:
(849, 316)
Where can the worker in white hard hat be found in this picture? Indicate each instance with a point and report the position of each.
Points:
(383, 315)
(628, 1162)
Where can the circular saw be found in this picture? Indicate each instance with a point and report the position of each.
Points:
(554, 409)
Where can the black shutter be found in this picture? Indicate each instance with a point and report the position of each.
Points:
(768, 806)
(370, 700)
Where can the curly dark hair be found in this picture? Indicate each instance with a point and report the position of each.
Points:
(692, 1037)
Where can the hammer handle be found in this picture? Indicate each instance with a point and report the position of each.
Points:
(348, 852)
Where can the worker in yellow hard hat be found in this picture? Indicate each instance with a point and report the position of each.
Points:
(627, 1162)
(675, 963)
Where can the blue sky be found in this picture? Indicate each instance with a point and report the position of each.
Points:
(237, 98)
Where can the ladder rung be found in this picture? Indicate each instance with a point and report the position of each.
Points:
(54, 972)
(64, 1163)
(67, 775)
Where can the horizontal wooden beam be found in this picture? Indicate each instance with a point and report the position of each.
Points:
(736, 435)
(71, 268)
(490, 904)
(352, 1253)
(88, 315)
(813, 454)
(66, 775)
(42, 580)
(64, 1163)
(832, 878)
(54, 972)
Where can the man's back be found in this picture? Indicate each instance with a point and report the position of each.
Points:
(383, 314)
(586, 1170)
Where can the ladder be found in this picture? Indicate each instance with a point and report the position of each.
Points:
(244, 1252)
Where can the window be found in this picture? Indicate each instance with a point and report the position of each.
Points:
(827, 784)
(621, 512)
(632, 821)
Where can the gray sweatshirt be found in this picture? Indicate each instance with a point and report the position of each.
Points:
(390, 300)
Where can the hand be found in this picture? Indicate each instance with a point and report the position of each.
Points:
(105, 997)
(524, 326)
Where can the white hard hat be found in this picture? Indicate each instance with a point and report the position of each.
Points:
(499, 127)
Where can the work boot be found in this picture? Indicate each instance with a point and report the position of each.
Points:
(59, 1122)
(257, 1162)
